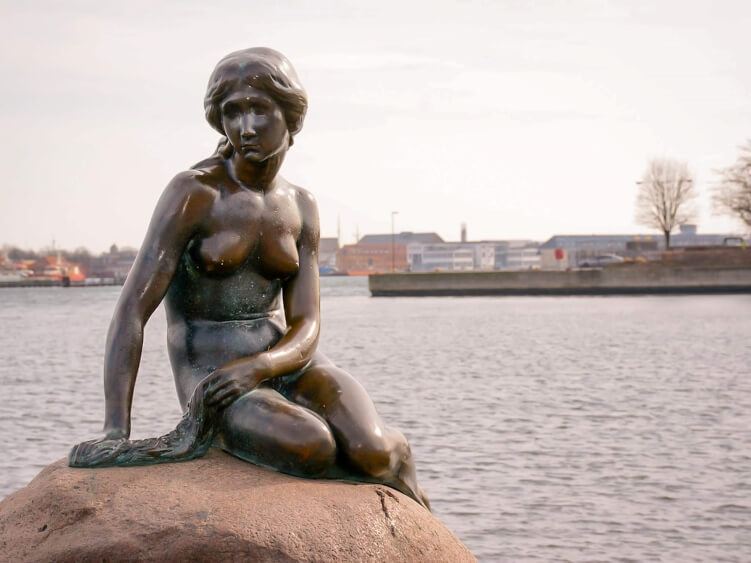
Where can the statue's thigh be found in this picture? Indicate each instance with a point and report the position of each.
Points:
(363, 440)
(342, 401)
(264, 427)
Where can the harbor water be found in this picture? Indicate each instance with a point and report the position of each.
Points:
(545, 428)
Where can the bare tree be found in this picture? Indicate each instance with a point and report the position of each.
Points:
(665, 197)
(732, 194)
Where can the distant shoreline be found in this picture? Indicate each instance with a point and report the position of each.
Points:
(56, 283)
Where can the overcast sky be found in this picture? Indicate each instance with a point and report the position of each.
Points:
(523, 119)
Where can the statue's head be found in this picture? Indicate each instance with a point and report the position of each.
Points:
(263, 69)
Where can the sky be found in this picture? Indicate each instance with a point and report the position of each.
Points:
(522, 119)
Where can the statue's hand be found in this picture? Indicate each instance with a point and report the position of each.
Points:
(229, 383)
(101, 451)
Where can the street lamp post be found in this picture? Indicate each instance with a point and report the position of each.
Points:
(393, 213)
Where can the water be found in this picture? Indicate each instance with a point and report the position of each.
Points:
(583, 429)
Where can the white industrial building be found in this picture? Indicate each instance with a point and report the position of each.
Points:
(481, 255)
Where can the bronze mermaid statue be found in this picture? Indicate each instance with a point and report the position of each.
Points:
(232, 250)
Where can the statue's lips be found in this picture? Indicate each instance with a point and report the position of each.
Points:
(250, 147)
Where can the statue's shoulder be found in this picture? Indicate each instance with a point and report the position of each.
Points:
(209, 172)
(191, 189)
(308, 209)
(201, 177)
(306, 200)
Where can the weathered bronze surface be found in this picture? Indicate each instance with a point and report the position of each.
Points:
(232, 250)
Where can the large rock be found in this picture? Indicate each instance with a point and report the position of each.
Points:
(214, 509)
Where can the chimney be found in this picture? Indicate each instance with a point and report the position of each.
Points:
(464, 232)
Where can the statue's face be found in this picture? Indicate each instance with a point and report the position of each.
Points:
(254, 124)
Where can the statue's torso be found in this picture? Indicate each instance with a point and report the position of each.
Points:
(224, 301)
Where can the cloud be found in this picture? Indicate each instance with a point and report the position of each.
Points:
(367, 61)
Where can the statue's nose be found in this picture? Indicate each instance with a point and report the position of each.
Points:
(248, 127)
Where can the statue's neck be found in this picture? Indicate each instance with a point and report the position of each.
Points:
(255, 175)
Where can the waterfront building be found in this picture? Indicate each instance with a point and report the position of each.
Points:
(23, 267)
(571, 251)
(115, 264)
(444, 257)
(376, 253)
(517, 255)
(473, 255)
(56, 267)
(13, 271)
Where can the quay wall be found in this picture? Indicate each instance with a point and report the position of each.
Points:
(606, 281)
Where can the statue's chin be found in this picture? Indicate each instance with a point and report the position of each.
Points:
(259, 156)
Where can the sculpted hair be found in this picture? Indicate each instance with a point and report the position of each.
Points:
(262, 68)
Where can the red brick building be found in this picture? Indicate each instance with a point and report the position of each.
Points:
(374, 253)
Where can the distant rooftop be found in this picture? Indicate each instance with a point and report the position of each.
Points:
(508, 243)
(687, 237)
(404, 237)
(558, 241)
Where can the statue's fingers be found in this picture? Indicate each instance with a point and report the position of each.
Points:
(230, 392)
(227, 401)
(216, 390)
(214, 399)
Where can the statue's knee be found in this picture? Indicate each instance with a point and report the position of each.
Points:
(318, 454)
(374, 458)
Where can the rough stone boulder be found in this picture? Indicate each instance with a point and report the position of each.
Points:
(214, 509)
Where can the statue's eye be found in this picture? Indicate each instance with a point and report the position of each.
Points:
(230, 110)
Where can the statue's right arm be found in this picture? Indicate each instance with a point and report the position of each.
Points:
(177, 216)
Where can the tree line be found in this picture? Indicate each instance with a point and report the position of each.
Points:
(667, 193)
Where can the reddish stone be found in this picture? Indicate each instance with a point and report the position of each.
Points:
(214, 509)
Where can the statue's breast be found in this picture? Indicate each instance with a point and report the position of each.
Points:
(245, 230)
(230, 233)
(277, 255)
(279, 230)
(221, 253)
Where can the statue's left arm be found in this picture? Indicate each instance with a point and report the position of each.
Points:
(295, 349)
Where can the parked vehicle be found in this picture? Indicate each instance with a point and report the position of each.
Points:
(601, 260)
